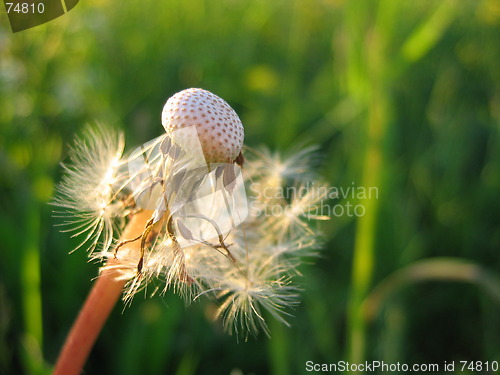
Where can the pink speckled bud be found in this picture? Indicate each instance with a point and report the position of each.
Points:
(219, 129)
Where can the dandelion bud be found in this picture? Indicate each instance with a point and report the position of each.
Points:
(219, 130)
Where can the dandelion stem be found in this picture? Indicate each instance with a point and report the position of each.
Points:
(99, 304)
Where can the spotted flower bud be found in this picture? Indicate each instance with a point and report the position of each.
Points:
(218, 128)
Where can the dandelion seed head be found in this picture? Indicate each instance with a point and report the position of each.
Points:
(200, 238)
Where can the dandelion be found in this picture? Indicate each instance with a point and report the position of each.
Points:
(187, 209)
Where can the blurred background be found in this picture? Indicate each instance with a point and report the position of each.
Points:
(402, 96)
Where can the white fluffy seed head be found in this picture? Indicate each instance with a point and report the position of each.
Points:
(219, 129)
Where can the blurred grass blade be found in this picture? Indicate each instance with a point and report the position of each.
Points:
(279, 354)
(376, 103)
(31, 296)
(426, 36)
(188, 364)
(440, 269)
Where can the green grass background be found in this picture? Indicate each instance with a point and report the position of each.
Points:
(400, 95)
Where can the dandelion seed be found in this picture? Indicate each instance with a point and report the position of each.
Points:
(86, 194)
(274, 169)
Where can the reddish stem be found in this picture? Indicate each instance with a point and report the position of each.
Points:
(99, 304)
